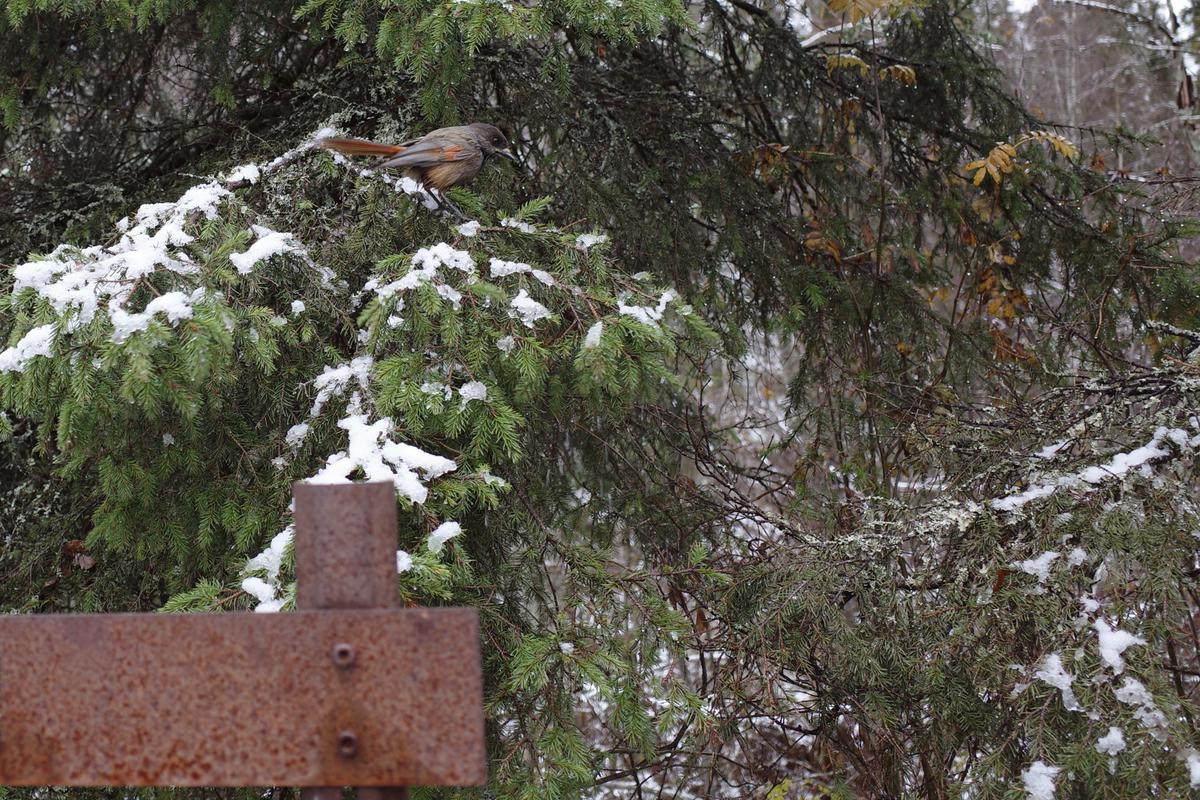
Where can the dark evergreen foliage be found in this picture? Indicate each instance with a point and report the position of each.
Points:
(765, 539)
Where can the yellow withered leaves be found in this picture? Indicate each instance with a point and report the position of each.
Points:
(1064, 146)
(1002, 158)
(833, 62)
(997, 163)
(817, 242)
(858, 9)
(900, 74)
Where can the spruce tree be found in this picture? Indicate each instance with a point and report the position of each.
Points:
(806, 417)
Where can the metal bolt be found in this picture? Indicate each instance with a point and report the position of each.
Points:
(342, 655)
(348, 744)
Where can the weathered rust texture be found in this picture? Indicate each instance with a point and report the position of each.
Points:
(345, 546)
(242, 699)
(345, 558)
(374, 698)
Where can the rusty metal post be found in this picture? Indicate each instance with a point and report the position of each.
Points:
(345, 546)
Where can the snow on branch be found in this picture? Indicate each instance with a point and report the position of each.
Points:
(78, 284)
(1117, 467)
(105, 285)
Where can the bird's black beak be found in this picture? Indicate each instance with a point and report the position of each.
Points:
(507, 154)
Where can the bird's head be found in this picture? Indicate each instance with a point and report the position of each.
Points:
(492, 140)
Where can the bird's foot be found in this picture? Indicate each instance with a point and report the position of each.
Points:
(450, 208)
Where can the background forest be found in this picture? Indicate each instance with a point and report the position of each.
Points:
(811, 413)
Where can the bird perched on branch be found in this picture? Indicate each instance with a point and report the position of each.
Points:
(439, 160)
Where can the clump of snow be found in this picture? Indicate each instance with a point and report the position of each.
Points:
(264, 593)
(442, 534)
(35, 342)
(592, 339)
(426, 268)
(168, 440)
(474, 390)
(1122, 463)
(500, 268)
(298, 307)
(295, 435)
(1134, 693)
(379, 457)
(246, 173)
(1193, 762)
(1052, 672)
(1039, 780)
(442, 254)
(1118, 466)
(267, 243)
(523, 227)
(1040, 566)
(1051, 450)
(404, 561)
(492, 480)
(527, 309)
(1076, 557)
(1113, 643)
(1013, 502)
(470, 228)
(1112, 742)
(586, 241)
(648, 315)
(335, 380)
(505, 344)
(450, 293)
(582, 496)
(271, 559)
(176, 306)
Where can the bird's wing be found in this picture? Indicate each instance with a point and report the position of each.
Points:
(430, 151)
(361, 147)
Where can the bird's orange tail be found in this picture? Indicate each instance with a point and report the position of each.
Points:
(361, 147)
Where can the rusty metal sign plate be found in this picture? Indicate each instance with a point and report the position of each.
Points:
(377, 697)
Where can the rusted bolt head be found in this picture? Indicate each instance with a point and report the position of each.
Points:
(342, 655)
(348, 744)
